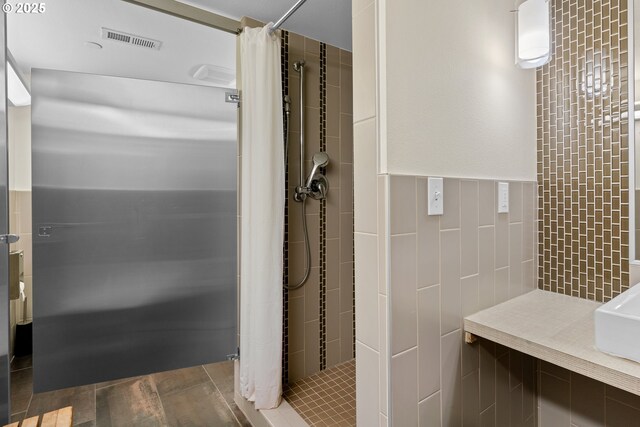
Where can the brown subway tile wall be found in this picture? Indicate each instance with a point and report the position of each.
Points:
(583, 153)
(320, 316)
(446, 267)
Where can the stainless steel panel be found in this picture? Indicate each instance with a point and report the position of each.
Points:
(5, 406)
(134, 227)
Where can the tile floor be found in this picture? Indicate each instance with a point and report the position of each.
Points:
(198, 396)
(327, 398)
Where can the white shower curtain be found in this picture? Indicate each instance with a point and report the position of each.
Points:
(262, 222)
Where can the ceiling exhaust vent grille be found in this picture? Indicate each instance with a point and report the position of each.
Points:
(131, 39)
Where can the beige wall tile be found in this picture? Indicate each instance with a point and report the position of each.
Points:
(503, 391)
(487, 372)
(346, 86)
(404, 388)
(403, 289)
(333, 213)
(364, 62)
(471, 399)
(383, 233)
(554, 401)
(346, 336)
(501, 239)
(367, 292)
(622, 396)
(620, 415)
(587, 397)
(346, 138)
(383, 353)
(333, 351)
(515, 260)
(450, 302)
(332, 170)
(515, 202)
(429, 411)
(346, 289)
(333, 65)
(333, 315)
(311, 347)
(333, 112)
(296, 324)
(346, 245)
(451, 217)
(296, 366)
(367, 385)
(428, 341)
(469, 292)
(487, 204)
(365, 177)
(346, 182)
(311, 46)
(311, 300)
(516, 405)
(469, 227)
(333, 263)
(428, 240)
(402, 201)
(486, 266)
(488, 417)
(529, 206)
(451, 379)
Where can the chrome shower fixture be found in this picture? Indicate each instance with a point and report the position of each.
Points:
(317, 183)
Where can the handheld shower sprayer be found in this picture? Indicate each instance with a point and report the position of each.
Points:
(320, 160)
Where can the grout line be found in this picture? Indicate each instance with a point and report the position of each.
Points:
(218, 389)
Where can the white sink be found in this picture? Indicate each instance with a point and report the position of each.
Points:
(618, 325)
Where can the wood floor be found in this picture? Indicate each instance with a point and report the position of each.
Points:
(191, 397)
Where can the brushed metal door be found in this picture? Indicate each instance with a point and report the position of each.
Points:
(134, 227)
(5, 406)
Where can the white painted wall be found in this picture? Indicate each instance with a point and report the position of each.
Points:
(456, 104)
(19, 128)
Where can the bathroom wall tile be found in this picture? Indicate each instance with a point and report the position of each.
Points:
(515, 202)
(365, 176)
(296, 324)
(402, 200)
(451, 390)
(23, 198)
(346, 138)
(429, 411)
(528, 220)
(403, 289)
(515, 403)
(346, 57)
(383, 232)
(296, 366)
(487, 372)
(469, 292)
(450, 286)
(312, 80)
(554, 370)
(346, 86)
(529, 387)
(554, 401)
(333, 315)
(383, 353)
(333, 113)
(364, 63)
(311, 347)
(587, 397)
(488, 417)
(346, 245)
(501, 239)
(486, 203)
(471, 399)
(451, 217)
(428, 341)
(332, 170)
(333, 264)
(620, 415)
(528, 276)
(367, 292)
(311, 134)
(367, 385)
(346, 290)
(333, 215)
(358, 5)
(346, 336)
(333, 352)
(503, 392)
(311, 300)
(469, 227)
(404, 388)
(486, 266)
(346, 181)
(622, 396)
(515, 260)
(428, 241)
(502, 285)
(333, 65)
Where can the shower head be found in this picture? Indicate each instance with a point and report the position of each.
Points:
(320, 160)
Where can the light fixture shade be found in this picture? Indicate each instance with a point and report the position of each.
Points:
(17, 92)
(533, 44)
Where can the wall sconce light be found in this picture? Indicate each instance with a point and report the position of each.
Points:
(533, 31)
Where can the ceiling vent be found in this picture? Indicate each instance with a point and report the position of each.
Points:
(132, 39)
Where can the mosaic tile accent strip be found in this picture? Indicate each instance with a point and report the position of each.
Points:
(323, 211)
(583, 152)
(327, 398)
(284, 55)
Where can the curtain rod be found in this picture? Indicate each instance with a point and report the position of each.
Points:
(286, 16)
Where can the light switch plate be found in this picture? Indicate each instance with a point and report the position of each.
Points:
(503, 197)
(435, 196)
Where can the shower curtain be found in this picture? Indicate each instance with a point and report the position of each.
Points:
(262, 222)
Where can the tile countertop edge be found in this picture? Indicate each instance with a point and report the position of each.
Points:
(558, 329)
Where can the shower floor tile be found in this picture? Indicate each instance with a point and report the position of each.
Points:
(327, 398)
